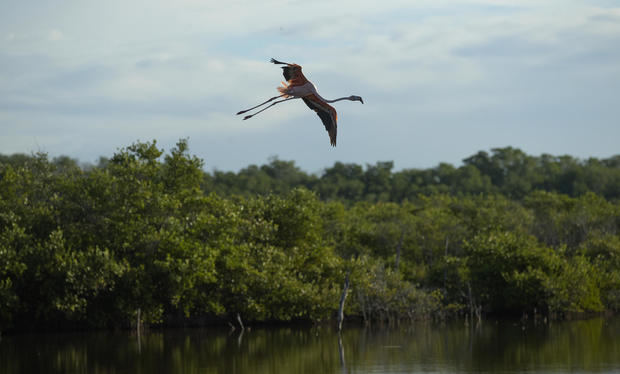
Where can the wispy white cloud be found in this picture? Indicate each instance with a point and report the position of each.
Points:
(55, 35)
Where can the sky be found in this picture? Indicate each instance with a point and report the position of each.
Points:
(441, 79)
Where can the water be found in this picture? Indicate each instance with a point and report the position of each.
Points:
(493, 347)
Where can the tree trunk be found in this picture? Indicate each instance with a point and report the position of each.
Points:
(138, 320)
(240, 322)
(138, 328)
(343, 297)
(445, 269)
(471, 301)
(399, 248)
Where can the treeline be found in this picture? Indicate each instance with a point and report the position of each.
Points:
(506, 171)
(150, 234)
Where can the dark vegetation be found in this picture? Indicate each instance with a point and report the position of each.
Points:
(152, 233)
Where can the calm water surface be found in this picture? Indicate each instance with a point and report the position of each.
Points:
(493, 347)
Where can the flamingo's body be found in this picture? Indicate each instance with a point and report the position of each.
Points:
(298, 87)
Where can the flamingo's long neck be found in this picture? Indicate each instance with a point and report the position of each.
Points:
(342, 98)
(312, 88)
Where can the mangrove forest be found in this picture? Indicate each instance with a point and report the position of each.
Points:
(149, 235)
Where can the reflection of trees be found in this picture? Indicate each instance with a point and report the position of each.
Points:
(584, 345)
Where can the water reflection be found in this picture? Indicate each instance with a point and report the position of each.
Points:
(579, 346)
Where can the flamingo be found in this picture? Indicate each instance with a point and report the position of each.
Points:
(298, 87)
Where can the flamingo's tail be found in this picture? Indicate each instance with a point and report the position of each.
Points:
(284, 89)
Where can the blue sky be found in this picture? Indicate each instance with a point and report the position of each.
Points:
(441, 80)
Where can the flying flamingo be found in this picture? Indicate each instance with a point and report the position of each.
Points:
(298, 87)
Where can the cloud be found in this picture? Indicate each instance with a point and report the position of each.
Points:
(55, 35)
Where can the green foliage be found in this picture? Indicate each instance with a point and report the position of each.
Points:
(150, 231)
(505, 270)
(513, 272)
(505, 171)
(604, 254)
(11, 268)
(382, 294)
(279, 268)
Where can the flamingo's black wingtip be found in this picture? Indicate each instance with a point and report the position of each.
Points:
(274, 61)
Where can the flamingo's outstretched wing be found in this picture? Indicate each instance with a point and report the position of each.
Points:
(292, 73)
(326, 113)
